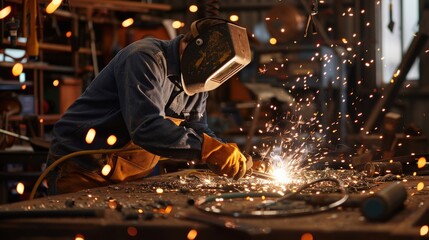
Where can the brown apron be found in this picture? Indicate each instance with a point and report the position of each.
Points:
(125, 166)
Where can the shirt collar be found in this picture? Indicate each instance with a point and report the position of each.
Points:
(173, 59)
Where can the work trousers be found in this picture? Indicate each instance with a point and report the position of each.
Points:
(69, 176)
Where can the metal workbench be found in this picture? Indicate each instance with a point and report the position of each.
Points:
(160, 207)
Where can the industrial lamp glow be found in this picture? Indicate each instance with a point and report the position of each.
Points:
(17, 69)
(5, 12)
(53, 6)
(127, 22)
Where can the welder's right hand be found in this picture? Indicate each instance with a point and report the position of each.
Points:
(223, 158)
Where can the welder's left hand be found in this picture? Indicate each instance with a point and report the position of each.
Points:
(224, 158)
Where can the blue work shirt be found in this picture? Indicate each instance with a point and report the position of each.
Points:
(130, 99)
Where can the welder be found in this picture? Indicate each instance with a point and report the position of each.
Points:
(151, 96)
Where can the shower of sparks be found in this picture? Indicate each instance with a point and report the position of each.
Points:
(296, 141)
(301, 133)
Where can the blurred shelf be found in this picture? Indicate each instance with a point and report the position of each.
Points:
(49, 47)
(46, 119)
(12, 85)
(40, 66)
(122, 6)
(20, 176)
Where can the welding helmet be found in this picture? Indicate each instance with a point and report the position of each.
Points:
(214, 54)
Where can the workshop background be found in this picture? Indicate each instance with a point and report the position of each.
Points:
(332, 84)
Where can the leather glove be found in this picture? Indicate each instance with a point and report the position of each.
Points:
(223, 158)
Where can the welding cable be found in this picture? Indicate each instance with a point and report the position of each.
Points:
(272, 209)
(308, 185)
(71, 155)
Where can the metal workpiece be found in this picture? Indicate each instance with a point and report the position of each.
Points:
(382, 168)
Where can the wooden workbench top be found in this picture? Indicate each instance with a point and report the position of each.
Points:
(162, 207)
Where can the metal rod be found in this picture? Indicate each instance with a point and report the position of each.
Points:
(92, 43)
(14, 135)
(253, 127)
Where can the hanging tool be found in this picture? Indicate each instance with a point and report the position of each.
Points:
(13, 26)
(389, 141)
(29, 27)
(310, 21)
(391, 22)
(92, 43)
(36, 143)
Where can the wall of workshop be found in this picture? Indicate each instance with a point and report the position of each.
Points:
(417, 102)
